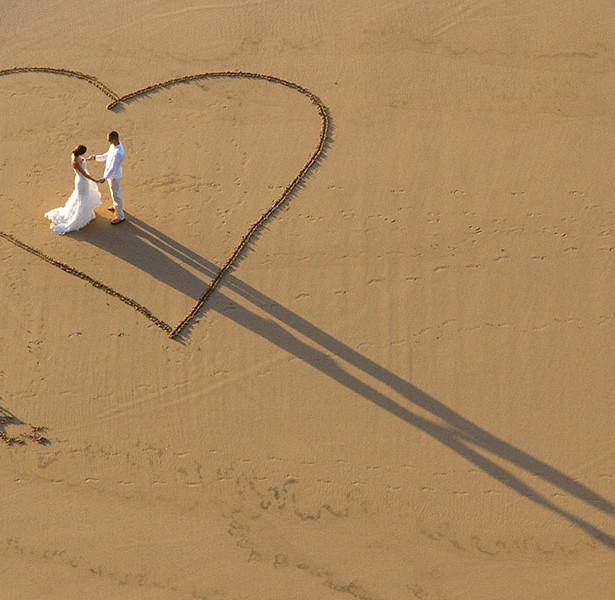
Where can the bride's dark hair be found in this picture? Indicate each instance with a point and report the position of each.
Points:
(79, 150)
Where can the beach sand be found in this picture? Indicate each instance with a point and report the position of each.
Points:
(404, 387)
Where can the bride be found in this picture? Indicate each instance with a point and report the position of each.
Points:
(79, 208)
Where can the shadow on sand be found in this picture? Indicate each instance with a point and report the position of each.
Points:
(163, 258)
(26, 433)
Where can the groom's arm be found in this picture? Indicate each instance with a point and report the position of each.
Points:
(97, 157)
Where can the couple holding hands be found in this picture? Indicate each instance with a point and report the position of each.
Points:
(79, 209)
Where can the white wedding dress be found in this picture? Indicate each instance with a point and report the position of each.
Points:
(79, 208)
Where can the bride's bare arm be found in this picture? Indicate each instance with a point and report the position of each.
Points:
(77, 165)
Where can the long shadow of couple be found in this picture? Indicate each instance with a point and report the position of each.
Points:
(162, 257)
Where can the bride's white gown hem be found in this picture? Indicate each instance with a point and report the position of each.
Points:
(79, 208)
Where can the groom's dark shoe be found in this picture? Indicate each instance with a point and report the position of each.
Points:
(117, 221)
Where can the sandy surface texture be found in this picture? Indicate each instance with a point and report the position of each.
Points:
(403, 390)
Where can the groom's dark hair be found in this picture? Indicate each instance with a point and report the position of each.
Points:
(114, 135)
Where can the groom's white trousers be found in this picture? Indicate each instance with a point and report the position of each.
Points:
(116, 195)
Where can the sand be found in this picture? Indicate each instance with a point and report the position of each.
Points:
(404, 387)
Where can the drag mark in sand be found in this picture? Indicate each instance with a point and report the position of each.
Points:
(252, 230)
(97, 284)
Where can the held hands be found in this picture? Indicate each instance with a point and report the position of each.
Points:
(90, 158)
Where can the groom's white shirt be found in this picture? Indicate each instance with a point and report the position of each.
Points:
(113, 161)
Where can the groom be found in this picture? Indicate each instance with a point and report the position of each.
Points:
(113, 173)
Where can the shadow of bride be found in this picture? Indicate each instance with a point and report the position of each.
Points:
(133, 242)
(161, 256)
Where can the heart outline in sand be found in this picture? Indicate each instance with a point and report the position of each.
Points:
(252, 230)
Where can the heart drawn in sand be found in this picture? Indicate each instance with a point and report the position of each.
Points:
(173, 331)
